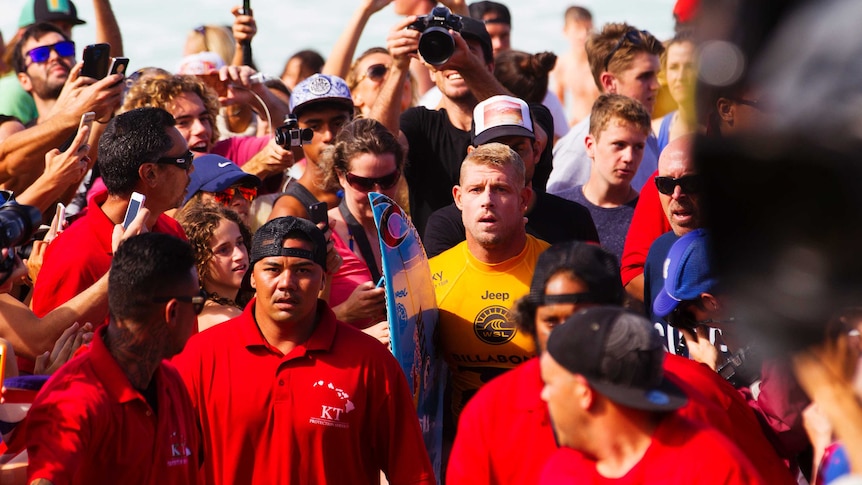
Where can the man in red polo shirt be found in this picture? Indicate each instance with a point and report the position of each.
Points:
(120, 413)
(140, 151)
(287, 394)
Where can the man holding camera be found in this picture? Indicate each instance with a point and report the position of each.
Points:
(437, 139)
(322, 104)
(141, 151)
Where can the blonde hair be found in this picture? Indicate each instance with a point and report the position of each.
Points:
(495, 155)
(212, 38)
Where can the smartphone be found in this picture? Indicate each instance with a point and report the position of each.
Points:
(135, 204)
(213, 81)
(119, 65)
(97, 58)
(317, 214)
(61, 214)
(86, 120)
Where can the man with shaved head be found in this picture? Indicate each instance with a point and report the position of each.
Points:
(679, 189)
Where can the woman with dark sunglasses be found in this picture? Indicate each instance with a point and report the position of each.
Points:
(366, 77)
(365, 158)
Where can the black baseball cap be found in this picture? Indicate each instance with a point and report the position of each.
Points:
(475, 29)
(621, 356)
(36, 11)
(269, 240)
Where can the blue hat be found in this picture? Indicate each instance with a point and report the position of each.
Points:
(36, 11)
(319, 88)
(687, 272)
(215, 173)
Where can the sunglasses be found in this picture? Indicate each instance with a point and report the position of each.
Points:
(64, 48)
(635, 37)
(226, 196)
(197, 301)
(374, 72)
(184, 161)
(365, 184)
(681, 318)
(749, 102)
(689, 184)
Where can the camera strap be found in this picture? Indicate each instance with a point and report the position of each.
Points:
(357, 232)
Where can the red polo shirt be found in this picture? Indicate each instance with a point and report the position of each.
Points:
(504, 433)
(89, 425)
(681, 452)
(336, 409)
(81, 255)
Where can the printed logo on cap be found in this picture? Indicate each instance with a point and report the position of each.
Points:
(319, 86)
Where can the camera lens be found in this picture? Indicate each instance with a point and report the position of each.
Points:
(436, 45)
(17, 223)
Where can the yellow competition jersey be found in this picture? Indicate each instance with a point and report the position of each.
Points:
(477, 337)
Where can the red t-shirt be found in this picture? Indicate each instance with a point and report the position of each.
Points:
(89, 425)
(336, 409)
(648, 223)
(681, 452)
(745, 430)
(504, 433)
(352, 273)
(81, 255)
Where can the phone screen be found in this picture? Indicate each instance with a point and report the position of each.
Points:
(135, 204)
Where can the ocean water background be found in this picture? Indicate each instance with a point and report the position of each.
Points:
(154, 31)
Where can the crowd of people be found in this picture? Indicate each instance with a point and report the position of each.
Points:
(234, 330)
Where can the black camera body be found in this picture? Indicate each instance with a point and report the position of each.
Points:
(436, 44)
(291, 135)
(18, 223)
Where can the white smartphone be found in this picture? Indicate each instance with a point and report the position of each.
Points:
(86, 120)
(135, 204)
(61, 214)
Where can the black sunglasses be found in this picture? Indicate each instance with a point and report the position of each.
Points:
(749, 102)
(64, 48)
(196, 301)
(689, 184)
(635, 37)
(375, 72)
(366, 184)
(184, 161)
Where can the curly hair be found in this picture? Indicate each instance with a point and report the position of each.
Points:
(200, 222)
(360, 136)
(160, 92)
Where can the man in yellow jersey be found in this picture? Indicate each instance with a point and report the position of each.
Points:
(478, 280)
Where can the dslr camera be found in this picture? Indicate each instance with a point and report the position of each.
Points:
(291, 135)
(18, 223)
(436, 44)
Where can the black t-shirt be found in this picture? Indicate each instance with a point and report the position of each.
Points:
(434, 161)
(552, 219)
(542, 117)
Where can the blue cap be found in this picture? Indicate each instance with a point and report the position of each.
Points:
(687, 272)
(215, 173)
(320, 88)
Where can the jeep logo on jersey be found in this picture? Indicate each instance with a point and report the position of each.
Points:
(493, 325)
